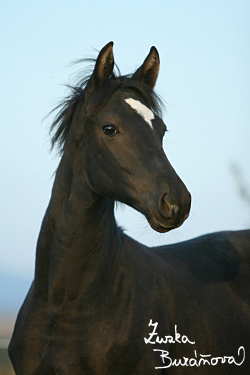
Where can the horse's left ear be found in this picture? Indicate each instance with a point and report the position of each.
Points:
(148, 71)
(103, 68)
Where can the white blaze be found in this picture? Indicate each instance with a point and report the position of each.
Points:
(142, 110)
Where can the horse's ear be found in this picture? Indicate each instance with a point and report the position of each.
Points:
(148, 71)
(103, 68)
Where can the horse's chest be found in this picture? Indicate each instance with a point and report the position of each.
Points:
(92, 344)
(93, 348)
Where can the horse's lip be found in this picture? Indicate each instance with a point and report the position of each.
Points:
(156, 223)
(163, 228)
(159, 227)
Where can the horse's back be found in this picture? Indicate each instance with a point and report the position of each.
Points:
(208, 282)
(215, 257)
(208, 270)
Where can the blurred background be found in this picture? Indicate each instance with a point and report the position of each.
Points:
(204, 78)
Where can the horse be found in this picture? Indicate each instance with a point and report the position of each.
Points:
(101, 302)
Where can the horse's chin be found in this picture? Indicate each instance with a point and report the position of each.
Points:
(158, 227)
(158, 222)
(162, 227)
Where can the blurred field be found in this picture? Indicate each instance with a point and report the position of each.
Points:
(6, 329)
(5, 365)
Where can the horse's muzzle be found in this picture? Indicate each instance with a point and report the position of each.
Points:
(169, 215)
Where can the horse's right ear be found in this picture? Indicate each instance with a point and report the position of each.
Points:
(103, 68)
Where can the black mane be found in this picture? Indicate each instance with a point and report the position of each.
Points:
(67, 107)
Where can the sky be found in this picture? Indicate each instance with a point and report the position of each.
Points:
(204, 78)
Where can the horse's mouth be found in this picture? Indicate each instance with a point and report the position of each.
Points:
(163, 227)
(160, 223)
(159, 227)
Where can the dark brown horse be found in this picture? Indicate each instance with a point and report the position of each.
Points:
(102, 303)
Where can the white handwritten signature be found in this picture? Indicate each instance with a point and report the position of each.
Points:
(181, 339)
(198, 360)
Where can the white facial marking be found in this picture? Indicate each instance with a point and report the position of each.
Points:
(142, 110)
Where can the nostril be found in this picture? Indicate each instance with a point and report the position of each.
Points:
(165, 204)
(167, 209)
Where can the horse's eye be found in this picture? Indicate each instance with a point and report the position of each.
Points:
(109, 130)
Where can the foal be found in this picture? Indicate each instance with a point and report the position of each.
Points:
(102, 303)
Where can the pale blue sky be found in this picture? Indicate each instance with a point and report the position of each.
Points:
(204, 48)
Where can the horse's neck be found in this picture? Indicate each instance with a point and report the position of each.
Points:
(79, 238)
